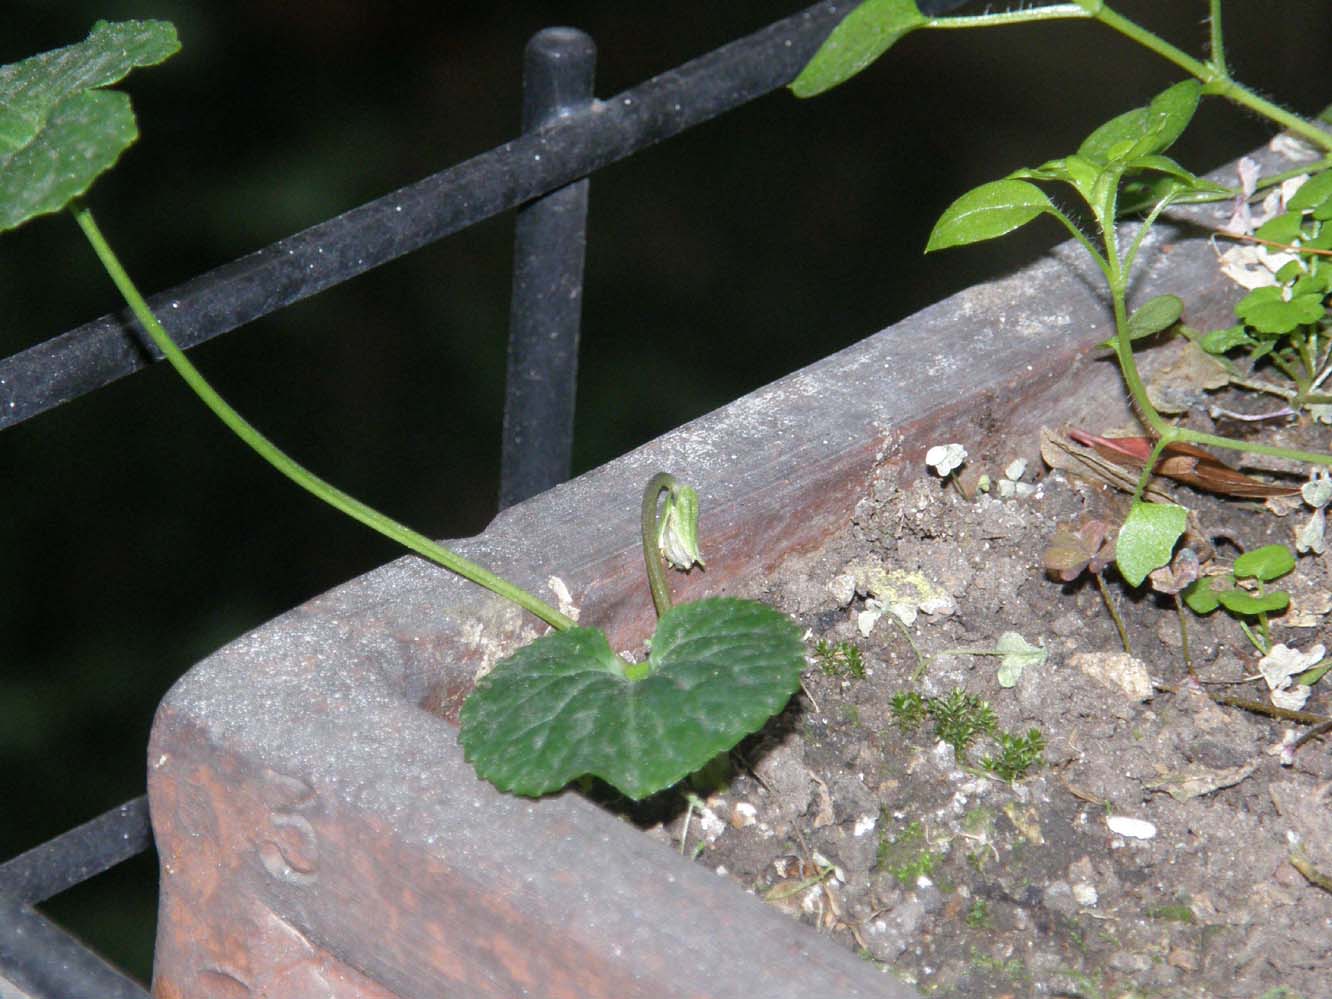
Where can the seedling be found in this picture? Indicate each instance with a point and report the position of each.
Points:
(1014, 653)
(1089, 547)
(1284, 323)
(1119, 168)
(561, 708)
(946, 459)
(1248, 605)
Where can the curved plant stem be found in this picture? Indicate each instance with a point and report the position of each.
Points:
(661, 592)
(304, 478)
(1212, 73)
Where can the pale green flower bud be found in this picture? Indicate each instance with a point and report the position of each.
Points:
(677, 528)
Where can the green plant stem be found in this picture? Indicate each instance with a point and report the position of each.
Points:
(661, 592)
(1217, 48)
(1184, 636)
(1050, 12)
(307, 480)
(1114, 613)
(1213, 73)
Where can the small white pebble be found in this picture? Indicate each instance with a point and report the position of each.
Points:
(1123, 825)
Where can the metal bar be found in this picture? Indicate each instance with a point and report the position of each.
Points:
(534, 164)
(76, 856)
(550, 240)
(38, 960)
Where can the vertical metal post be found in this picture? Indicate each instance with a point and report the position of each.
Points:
(549, 244)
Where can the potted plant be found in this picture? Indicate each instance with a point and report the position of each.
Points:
(319, 827)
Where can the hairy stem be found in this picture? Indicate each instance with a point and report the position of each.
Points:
(298, 474)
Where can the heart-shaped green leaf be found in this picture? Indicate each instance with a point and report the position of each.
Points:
(564, 707)
(988, 211)
(58, 131)
(863, 35)
(1148, 538)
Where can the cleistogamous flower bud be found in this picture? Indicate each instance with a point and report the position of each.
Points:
(677, 528)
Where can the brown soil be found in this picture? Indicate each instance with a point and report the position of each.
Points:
(972, 887)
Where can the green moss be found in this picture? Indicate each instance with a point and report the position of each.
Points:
(978, 916)
(1179, 913)
(906, 855)
(840, 660)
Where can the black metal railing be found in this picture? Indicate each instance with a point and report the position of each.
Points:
(567, 135)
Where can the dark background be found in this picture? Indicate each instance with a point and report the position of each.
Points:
(140, 536)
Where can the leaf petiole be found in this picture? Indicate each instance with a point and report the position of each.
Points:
(297, 473)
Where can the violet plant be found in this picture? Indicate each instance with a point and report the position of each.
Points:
(564, 706)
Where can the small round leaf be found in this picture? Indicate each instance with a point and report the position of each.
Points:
(1266, 563)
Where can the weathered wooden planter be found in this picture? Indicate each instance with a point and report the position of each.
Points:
(319, 832)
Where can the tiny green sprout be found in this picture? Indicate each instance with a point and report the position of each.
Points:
(945, 459)
(840, 660)
(1015, 654)
(1258, 568)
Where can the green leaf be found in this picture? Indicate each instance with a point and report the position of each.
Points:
(1155, 315)
(1148, 538)
(1015, 654)
(1284, 228)
(563, 706)
(1220, 341)
(863, 35)
(1201, 595)
(1313, 193)
(1147, 130)
(1266, 563)
(1144, 191)
(1310, 284)
(1187, 180)
(1266, 311)
(58, 131)
(988, 211)
(1288, 273)
(1251, 605)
